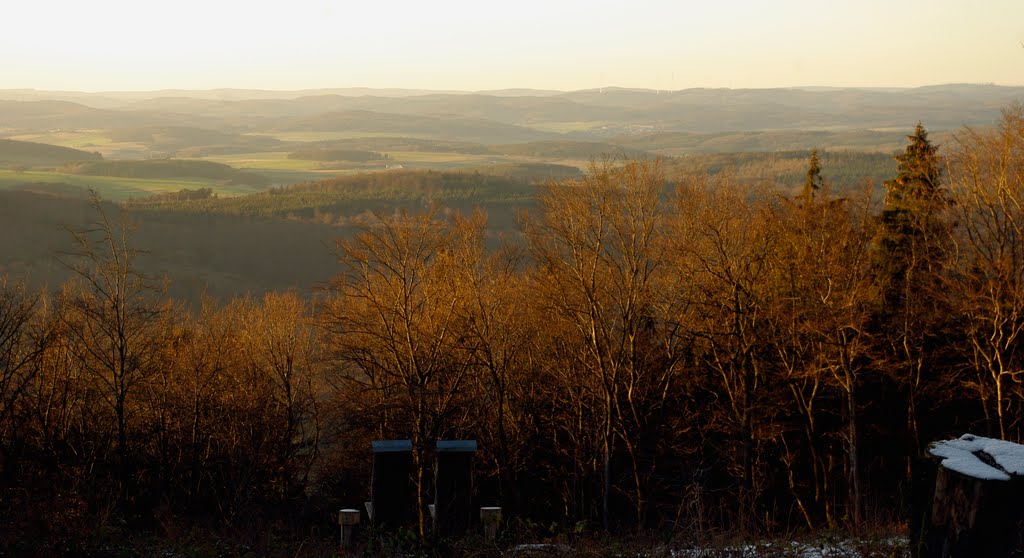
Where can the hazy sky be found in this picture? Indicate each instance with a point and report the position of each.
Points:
(486, 44)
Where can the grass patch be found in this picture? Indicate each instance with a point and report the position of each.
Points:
(401, 157)
(271, 160)
(567, 127)
(302, 137)
(79, 139)
(87, 140)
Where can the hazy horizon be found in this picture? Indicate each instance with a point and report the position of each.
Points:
(116, 45)
(526, 90)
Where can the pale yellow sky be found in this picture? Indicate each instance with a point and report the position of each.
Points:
(476, 45)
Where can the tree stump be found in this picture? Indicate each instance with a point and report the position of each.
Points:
(976, 507)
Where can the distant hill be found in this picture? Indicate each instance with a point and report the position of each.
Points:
(719, 110)
(344, 196)
(218, 255)
(544, 149)
(520, 92)
(437, 127)
(564, 149)
(230, 245)
(47, 115)
(166, 168)
(53, 189)
(682, 143)
(324, 154)
(383, 144)
(516, 110)
(33, 154)
(194, 140)
(203, 123)
(342, 201)
(786, 171)
(509, 116)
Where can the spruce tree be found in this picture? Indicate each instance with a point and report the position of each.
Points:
(912, 201)
(910, 255)
(814, 179)
(918, 174)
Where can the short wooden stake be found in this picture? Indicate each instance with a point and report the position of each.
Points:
(348, 519)
(390, 487)
(490, 518)
(453, 488)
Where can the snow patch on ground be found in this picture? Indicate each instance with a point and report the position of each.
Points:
(842, 549)
(964, 455)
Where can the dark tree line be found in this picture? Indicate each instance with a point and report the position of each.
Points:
(692, 355)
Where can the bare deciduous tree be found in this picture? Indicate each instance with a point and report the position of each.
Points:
(598, 245)
(987, 180)
(396, 325)
(280, 346)
(114, 316)
(19, 347)
(726, 250)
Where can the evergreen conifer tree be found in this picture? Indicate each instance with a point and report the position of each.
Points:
(910, 255)
(814, 179)
(912, 202)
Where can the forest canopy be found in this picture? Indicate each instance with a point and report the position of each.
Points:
(690, 352)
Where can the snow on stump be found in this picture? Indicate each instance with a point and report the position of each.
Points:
(976, 506)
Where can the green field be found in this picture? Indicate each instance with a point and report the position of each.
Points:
(272, 160)
(444, 158)
(87, 140)
(278, 161)
(302, 137)
(567, 127)
(115, 188)
(79, 139)
(279, 169)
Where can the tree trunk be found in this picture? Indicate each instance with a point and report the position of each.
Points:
(852, 449)
(999, 405)
(747, 500)
(606, 493)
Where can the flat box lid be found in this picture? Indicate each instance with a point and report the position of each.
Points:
(456, 445)
(387, 446)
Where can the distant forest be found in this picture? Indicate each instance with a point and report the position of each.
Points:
(226, 246)
(688, 348)
(164, 168)
(25, 154)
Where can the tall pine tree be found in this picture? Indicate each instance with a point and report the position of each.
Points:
(910, 255)
(913, 200)
(814, 179)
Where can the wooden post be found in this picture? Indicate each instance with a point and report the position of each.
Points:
(976, 502)
(347, 519)
(391, 496)
(453, 487)
(490, 518)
